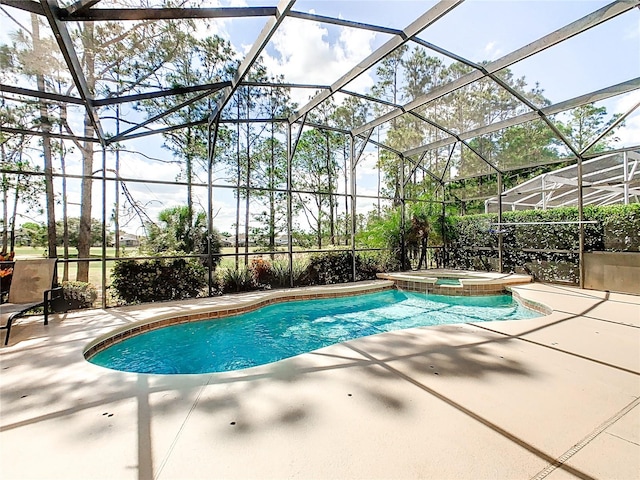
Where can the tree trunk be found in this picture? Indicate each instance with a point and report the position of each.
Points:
(65, 219)
(189, 173)
(346, 199)
(272, 200)
(238, 175)
(5, 209)
(14, 214)
(46, 147)
(332, 230)
(248, 182)
(379, 173)
(5, 198)
(84, 233)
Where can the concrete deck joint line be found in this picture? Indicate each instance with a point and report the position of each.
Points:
(586, 440)
(551, 347)
(623, 439)
(157, 474)
(624, 324)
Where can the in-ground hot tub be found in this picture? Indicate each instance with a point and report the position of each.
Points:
(455, 282)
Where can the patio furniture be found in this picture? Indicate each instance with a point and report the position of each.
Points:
(32, 286)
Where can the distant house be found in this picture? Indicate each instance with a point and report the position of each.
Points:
(22, 238)
(282, 240)
(241, 240)
(129, 240)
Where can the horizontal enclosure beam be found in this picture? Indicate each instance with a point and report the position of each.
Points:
(38, 133)
(195, 88)
(163, 114)
(100, 102)
(26, 5)
(119, 14)
(196, 123)
(344, 23)
(634, 149)
(27, 92)
(243, 188)
(159, 94)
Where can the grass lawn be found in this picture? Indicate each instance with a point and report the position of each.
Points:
(95, 267)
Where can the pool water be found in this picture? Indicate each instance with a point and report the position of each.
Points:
(448, 281)
(287, 329)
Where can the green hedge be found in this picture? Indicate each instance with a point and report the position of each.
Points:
(157, 280)
(337, 267)
(473, 239)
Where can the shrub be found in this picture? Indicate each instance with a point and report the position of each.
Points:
(367, 266)
(157, 280)
(337, 267)
(79, 294)
(260, 272)
(235, 279)
(280, 273)
(330, 267)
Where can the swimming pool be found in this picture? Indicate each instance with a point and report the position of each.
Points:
(284, 330)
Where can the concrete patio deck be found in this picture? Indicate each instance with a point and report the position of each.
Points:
(554, 397)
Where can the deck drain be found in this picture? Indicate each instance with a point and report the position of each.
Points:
(232, 423)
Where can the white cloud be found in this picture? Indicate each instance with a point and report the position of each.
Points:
(632, 33)
(367, 165)
(492, 51)
(306, 53)
(219, 26)
(627, 101)
(629, 133)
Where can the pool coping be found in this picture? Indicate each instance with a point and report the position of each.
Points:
(471, 282)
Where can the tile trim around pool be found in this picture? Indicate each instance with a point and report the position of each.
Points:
(530, 304)
(220, 312)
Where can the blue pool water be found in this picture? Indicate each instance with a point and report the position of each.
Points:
(288, 329)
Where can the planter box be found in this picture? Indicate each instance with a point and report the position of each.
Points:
(73, 304)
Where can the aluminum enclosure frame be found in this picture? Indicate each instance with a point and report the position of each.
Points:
(90, 10)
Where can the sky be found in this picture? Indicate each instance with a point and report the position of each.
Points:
(310, 52)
